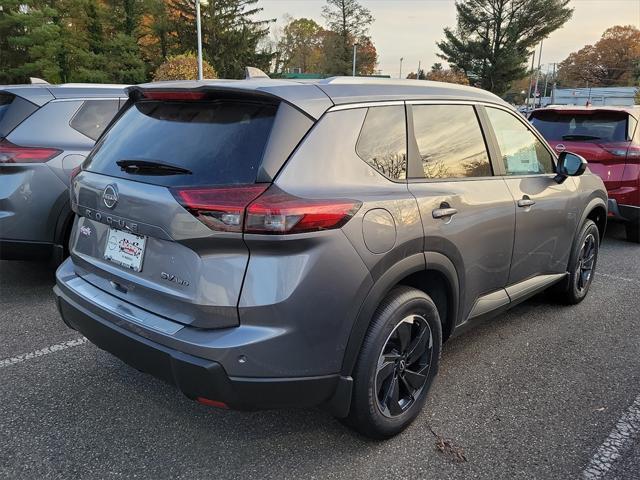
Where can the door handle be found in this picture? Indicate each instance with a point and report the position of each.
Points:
(525, 202)
(444, 212)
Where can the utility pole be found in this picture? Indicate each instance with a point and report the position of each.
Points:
(535, 91)
(401, 59)
(418, 73)
(355, 49)
(533, 60)
(553, 87)
(546, 84)
(199, 28)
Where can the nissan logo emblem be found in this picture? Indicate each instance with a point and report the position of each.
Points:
(110, 196)
(560, 147)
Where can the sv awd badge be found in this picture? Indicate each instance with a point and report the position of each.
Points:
(169, 277)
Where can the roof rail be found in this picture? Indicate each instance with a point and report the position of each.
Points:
(251, 73)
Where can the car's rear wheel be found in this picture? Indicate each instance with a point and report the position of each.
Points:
(633, 232)
(397, 364)
(582, 265)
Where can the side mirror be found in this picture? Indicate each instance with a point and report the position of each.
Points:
(569, 165)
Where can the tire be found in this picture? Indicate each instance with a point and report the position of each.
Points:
(633, 232)
(405, 319)
(582, 265)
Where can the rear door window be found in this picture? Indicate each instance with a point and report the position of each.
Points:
(219, 142)
(450, 142)
(383, 141)
(522, 152)
(592, 126)
(94, 116)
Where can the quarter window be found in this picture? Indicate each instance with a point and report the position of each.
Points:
(94, 116)
(383, 141)
(522, 153)
(450, 141)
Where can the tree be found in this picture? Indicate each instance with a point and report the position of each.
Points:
(301, 45)
(183, 67)
(348, 22)
(612, 61)
(493, 38)
(451, 75)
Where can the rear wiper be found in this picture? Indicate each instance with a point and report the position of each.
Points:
(148, 167)
(577, 136)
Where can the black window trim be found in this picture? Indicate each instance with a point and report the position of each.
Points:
(415, 162)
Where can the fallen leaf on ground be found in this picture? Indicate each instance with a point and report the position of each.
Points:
(449, 449)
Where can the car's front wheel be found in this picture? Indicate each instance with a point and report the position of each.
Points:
(397, 364)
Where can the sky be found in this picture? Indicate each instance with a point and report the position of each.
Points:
(410, 28)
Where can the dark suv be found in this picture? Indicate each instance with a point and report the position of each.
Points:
(266, 243)
(609, 138)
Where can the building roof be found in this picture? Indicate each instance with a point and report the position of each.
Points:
(316, 96)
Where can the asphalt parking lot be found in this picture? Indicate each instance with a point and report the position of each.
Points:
(544, 391)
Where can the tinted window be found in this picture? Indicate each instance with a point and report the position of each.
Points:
(13, 111)
(450, 141)
(383, 141)
(219, 142)
(585, 127)
(94, 116)
(522, 152)
(5, 101)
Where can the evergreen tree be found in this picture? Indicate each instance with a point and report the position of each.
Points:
(493, 38)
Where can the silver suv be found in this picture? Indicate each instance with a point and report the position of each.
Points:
(45, 132)
(266, 243)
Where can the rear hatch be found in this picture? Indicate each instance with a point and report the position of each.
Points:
(602, 137)
(161, 202)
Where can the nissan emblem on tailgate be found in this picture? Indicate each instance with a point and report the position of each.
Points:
(110, 196)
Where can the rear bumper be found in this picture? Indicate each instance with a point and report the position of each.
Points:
(197, 376)
(625, 213)
(25, 250)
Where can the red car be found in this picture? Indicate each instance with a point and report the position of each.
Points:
(609, 138)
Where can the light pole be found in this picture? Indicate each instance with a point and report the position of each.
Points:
(401, 59)
(199, 27)
(355, 49)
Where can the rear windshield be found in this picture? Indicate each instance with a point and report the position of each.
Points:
(219, 142)
(597, 125)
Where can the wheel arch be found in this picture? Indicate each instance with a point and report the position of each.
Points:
(430, 272)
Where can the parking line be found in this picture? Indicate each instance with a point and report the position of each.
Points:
(618, 441)
(615, 277)
(7, 362)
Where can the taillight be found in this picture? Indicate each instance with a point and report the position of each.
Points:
(220, 208)
(616, 149)
(75, 172)
(256, 209)
(169, 95)
(10, 153)
(633, 153)
(277, 212)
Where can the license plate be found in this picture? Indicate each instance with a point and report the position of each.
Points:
(126, 249)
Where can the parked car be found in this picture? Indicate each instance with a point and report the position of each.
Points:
(266, 243)
(45, 132)
(609, 138)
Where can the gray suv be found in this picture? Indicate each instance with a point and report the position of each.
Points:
(45, 132)
(265, 243)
